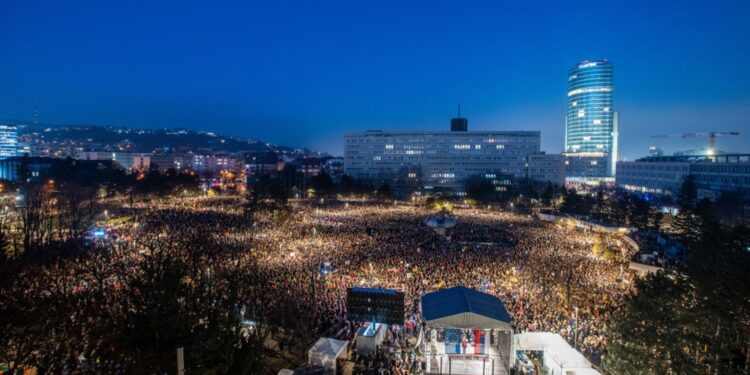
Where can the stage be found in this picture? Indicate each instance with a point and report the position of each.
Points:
(489, 362)
(468, 332)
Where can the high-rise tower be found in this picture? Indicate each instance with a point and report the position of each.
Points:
(591, 123)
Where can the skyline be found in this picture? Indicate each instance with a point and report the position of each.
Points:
(303, 75)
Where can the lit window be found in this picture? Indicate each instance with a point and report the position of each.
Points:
(597, 122)
(412, 175)
(477, 147)
(500, 147)
(587, 138)
(599, 146)
(575, 104)
(593, 162)
(377, 158)
(605, 109)
(581, 113)
(389, 147)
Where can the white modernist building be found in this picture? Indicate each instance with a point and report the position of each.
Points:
(439, 160)
(663, 175)
(547, 168)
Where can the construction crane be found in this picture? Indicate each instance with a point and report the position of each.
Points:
(711, 137)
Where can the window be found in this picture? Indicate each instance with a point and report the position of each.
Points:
(605, 109)
(477, 147)
(581, 113)
(500, 147)
(376, 158)
(597, 122)
(389, 147)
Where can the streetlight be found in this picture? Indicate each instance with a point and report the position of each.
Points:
(575, 329)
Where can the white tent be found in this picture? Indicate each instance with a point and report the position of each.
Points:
(285, 371)
(559, 357)
(326, 351)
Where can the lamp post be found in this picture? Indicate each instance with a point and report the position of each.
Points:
(575, 330)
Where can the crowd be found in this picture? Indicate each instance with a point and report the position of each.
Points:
(545, 274)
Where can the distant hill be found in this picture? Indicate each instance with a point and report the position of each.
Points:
(147, 140)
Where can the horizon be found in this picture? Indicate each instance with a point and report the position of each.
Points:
(303, 75)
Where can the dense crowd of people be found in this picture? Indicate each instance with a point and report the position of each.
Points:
(545, 274)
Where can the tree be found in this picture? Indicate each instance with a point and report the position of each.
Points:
(384, 191)
(693, 221)
(322, 183)
(480, 189)
(696, 321)
(688, 192)
(650, 335)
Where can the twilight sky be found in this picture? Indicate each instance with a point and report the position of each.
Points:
(303, 73)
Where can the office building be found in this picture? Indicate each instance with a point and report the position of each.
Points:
(591, 123)
(438, 160)
(663, 175)
(459, 124)
(547, 168)
(8, 141)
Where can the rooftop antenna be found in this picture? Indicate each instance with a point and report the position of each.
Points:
(459, 110)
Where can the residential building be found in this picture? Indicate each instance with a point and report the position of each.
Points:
(130, 161)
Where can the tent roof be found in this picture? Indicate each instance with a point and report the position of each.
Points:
(328, 346)
(461, 307)
(556, 349)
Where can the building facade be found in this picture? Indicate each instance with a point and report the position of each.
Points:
(591, 124)
(438, 160)
(130, 161)
(547, 168)
(663, 175)
(8, 141)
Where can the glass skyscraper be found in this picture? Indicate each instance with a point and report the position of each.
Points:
(591, 123)
(8, 141)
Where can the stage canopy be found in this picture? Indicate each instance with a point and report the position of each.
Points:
(461, 307)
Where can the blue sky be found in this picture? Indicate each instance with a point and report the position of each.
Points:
(304, 73)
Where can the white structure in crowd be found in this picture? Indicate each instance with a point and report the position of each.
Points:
(663, 175)
(439, 160)
(8, 141)
(558, 357)
(326, 352)
(547, 168)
